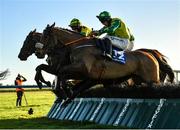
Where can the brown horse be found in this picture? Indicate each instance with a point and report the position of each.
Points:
(88, 63)
(164, 67)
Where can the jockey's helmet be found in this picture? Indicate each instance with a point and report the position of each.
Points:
(75, 22)
(104, 16)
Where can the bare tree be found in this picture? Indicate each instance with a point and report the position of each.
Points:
(4, 74)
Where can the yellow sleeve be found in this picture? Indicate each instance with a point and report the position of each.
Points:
(85, 31)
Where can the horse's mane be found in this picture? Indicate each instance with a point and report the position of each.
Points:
(68, 31)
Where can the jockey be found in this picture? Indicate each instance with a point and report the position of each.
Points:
(76, 25)
(117, 31)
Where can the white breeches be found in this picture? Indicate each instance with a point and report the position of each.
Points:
(120, 43)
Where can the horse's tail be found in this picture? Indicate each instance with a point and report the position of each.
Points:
(165, 68)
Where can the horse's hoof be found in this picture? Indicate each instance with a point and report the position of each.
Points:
(58, 100)
(65, 103)
(39, 85)
(70, 93)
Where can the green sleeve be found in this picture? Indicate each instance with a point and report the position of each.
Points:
(114, 25)
(110, 30)
(102, 30)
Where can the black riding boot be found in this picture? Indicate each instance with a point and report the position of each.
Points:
(107, 48)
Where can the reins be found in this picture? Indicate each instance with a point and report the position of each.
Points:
(77, 41)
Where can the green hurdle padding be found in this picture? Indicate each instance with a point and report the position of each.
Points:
(132, 113)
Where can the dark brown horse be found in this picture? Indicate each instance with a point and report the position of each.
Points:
(28, 49)
(88, 64)
(56, 59)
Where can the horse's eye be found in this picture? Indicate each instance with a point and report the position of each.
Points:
(45, 36)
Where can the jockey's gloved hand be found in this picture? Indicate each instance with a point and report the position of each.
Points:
(132, 38)
(94, 33)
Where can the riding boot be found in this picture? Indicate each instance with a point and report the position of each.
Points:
(107, 48)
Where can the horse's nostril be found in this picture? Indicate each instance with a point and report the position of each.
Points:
(22, 58)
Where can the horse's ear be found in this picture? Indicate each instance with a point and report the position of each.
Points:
(34, 30)
(53, 24)
(48, 25)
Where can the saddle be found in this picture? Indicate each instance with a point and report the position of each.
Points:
(111, 52)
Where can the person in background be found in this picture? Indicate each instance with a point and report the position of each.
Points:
(76, 25)
(19, 90)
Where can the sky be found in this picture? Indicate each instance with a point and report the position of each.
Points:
(154, 23)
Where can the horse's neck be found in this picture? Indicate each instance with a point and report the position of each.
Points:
(85, 46)
(59, 56)
(67, 36)
(84, 42)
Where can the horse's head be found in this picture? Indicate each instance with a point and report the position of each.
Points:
(49, 37)
(28, 47)
(54, 37)
(41, 47)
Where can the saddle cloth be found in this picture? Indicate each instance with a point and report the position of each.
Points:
(118, 55)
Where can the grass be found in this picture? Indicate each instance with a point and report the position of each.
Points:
(12, 117)
(40, 101)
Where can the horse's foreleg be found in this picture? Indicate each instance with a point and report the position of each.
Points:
(79, 88)
(65, 73)
(59, 88)
(82, 86)
(39, 78)
(73, 71)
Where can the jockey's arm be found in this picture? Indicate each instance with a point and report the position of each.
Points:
(114, 25)
(110, 30)
(85, 31)
(102, 30)
(131, 36)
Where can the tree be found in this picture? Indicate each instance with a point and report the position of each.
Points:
(4, 74)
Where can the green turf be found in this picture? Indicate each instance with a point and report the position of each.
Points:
(41, 102)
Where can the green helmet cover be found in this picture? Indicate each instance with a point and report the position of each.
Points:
(75, 22)
(104, 16)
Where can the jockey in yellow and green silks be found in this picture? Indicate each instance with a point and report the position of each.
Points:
(76, 25)
(117, 31)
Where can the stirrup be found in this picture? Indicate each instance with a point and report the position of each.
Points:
(107, 55)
